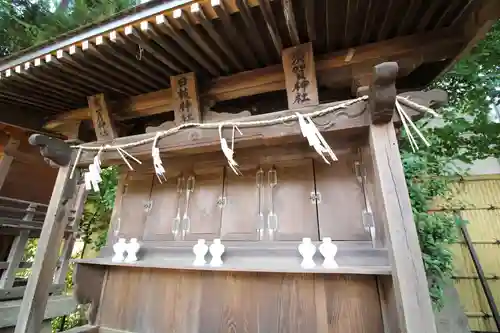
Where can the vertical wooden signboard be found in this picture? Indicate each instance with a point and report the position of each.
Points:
(186, 103)
(103, 124)
(300, 76)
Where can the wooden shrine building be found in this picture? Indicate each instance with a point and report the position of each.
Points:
(168, 85)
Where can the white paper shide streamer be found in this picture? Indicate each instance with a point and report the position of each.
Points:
(307, 127)
(229, 152)
(157, 163)
(93, 176)
(314, 137)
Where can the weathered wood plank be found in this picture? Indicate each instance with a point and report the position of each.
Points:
(185, 99)
(85, 329)
(56, 306)
(410, 284)
(36, 295)
(18, 292)
(300, 76)
(101, 118)
(279, 257)
(88, 281)
(17, 252)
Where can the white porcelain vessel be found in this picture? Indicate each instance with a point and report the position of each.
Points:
(119, 249)
(216, 250)
(307, 251)
(200, 250)
(328, 250)
(132, 248)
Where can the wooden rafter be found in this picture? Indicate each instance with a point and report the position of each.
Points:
(433, 47)
(290, 21)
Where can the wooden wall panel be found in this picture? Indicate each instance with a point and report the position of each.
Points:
(164, 204)
(342, 200)
(148, 300)
(203, 212)
(133, 205)
(297, 215)
(29, 177)
(240, 215)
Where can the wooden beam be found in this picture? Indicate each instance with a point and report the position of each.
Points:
(101, 118)
(186, 102)
(22, 118)
(22, 264)
(355, 119)
(18, 292)
(300, 76)
(431, 47)
(409, 282)
(56, 306)
(85, 329)
(35, 298)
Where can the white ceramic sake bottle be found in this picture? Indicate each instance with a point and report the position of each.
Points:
(307, 251)
(132, 248)
(328, 250)
(200, 250)
(216, 250)
(119, 249)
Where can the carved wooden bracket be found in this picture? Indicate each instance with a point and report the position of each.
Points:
(383, 92)
(87, 281)
(54, 151)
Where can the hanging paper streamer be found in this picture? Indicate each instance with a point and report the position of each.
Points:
(314, 137)
(157, 163)
(229, 152)
(93, 176)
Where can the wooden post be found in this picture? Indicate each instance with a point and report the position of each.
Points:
(408, 288)
(186, 100)
(74, 218)
(101, 117)
(16, 252)
(35, 298)
(300, 76)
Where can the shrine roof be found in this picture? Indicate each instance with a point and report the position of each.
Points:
(233, 45)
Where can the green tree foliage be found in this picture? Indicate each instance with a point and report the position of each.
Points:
(467, 133)
(24, 23)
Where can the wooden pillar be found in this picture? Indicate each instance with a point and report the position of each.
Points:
(35, 298)
(300, 76)
(407, 294)
(186, 100)
(16, 252)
